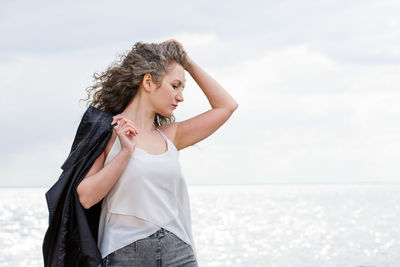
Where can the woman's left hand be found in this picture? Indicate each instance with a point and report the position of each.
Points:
(189, 60)
(175, 41)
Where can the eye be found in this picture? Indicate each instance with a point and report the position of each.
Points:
(174, 86)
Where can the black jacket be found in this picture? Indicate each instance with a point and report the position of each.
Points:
(71, 237)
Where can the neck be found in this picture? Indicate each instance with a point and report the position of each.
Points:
(140, 113)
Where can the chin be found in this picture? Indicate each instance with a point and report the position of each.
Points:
(167, 114)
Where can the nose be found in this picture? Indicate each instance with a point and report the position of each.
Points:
(179, 97)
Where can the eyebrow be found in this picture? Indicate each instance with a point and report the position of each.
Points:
(180, 83)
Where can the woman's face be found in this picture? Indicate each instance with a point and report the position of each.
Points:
(169, 94)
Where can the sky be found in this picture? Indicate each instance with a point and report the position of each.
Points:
(317, 83)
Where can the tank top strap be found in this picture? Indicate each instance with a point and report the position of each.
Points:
(162, 134)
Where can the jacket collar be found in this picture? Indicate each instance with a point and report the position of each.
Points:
(94, 124)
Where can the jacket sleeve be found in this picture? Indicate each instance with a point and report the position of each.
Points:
(63, 241)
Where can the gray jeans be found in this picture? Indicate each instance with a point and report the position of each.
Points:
(163, 248)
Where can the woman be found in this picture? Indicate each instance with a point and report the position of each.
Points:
(145, 213)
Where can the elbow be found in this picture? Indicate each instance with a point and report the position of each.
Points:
(234, 107)
(82, 198)
(85, 206)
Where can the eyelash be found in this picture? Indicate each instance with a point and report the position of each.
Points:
(175, 87)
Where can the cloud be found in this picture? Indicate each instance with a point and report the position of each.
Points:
(317, 83)
(304, 116)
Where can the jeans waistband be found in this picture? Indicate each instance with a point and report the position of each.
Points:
(160, 233)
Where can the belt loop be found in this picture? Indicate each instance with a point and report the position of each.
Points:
(161, 232)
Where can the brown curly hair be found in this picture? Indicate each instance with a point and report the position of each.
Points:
(116, 87)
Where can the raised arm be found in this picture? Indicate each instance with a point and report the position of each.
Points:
(217, 96)
(193, 130)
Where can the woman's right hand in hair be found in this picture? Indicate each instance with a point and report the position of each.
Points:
(126, 133)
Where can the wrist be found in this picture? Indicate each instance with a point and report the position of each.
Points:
(126, 153)
(189, 64)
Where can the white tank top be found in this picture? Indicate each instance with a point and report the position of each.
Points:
(151, 193)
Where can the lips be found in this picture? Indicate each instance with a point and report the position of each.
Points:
(175, 106)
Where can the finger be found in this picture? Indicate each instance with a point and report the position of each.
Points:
(132, 130)
(128, 131)
(126, 128)
(116, 117)
(122, 122)
(122, 128)
(128, 122)
(116, 120)
(131, 124)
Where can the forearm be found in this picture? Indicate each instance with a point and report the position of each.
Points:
(215, 93)
(94, 188)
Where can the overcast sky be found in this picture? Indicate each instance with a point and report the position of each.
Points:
(317, 82)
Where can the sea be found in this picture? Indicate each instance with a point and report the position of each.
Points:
(282, 225)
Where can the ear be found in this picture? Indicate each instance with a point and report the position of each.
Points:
(147, 82)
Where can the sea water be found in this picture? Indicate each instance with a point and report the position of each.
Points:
(249, 225)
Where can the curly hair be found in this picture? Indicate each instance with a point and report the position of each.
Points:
(116, 87)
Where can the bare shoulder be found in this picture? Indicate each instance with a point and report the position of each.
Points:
(170, 131)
